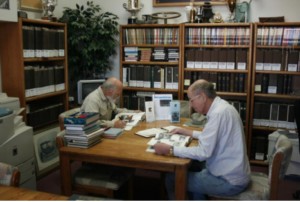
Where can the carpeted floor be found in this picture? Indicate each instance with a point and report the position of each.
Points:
(147, 185)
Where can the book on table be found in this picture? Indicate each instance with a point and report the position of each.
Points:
(81, 118)
(170, 139)
(84, 140)
(113, 133)
(151, 132)
(83, 130)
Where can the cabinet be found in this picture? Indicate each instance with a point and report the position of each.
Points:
(222, 54)
(275, 83)
(150, 62)
(34, 68)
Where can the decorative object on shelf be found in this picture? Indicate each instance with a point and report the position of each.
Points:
(92, 39)
(133, 7)
(199, 14)
(191, 13)
(172, 3)
(242, 12)
(231, 4)
(48, 8)
(218, 18)
(207, 12)
(164, 15)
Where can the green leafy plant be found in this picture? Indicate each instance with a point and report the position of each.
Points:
(92, 39)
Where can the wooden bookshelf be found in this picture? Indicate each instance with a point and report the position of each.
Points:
(147, 52)
(15, 63)
(224, 42)
(275, 82)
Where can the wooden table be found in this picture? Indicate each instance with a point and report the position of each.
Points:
(127, 150)
(16, 193)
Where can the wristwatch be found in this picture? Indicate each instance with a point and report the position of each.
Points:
(171, 151)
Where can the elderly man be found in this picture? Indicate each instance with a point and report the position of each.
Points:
(221, 144)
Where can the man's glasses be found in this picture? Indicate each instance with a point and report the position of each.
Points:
(193, 98)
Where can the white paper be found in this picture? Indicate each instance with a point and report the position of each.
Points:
(162, 106)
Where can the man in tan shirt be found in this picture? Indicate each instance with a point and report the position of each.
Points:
(103, 100)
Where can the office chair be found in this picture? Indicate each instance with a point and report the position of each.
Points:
(296, 195)
(99, 179)
(9, 175)
(262, 186)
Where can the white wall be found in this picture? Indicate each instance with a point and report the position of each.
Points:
(258, 8)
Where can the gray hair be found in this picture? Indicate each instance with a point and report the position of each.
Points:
(204, 86)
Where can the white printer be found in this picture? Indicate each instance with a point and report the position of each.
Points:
(16, 141)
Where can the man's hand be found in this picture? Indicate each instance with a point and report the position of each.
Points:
(182, 131)
(162, 148)
(119, 124)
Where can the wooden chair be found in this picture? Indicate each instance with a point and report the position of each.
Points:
(262, 186)
(9, 175)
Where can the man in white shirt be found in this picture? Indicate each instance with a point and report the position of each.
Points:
(221, 144)
(103, 99)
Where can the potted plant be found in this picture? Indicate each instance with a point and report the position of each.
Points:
(92, 39)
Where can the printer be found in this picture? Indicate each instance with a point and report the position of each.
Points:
(16, 141)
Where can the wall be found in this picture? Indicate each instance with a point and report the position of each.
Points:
(258, 8)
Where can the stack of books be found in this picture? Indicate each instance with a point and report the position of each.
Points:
(83, 129)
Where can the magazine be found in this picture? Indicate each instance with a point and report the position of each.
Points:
(176, 140)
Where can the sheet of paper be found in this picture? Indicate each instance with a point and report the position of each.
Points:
(162, 106)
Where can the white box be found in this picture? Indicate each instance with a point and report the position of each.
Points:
(294, 166)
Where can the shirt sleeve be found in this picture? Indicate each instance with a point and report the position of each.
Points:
(206, 142)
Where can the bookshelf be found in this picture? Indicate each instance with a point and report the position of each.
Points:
(222, 54)
(150, 61)
(34, 68)
(275, 83)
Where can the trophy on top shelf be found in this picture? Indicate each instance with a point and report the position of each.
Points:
(48, 8)
(133, 7)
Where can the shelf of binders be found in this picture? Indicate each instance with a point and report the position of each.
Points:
(220, 53)
(38, 55)
(276, 82)
(150, 61)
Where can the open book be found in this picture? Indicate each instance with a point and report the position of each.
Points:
(132, 118)
(151, 132)
(170, 139)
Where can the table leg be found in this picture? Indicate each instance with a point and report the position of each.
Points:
(180, 182)
(65, 175)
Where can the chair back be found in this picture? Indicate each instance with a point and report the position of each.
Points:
(278, 164)
(9, 175)
(297, 118)
(60, 140)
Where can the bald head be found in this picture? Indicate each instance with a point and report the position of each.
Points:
(112, 88)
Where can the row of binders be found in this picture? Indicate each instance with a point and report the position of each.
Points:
(278, 36)
(277, 84)
(43, 42)
(147, 76)
(41, 79)
(278, 60)
(133, 54)
(223, 82)
(218, 35)
(216, 58)
(270, 114)
(151, 35)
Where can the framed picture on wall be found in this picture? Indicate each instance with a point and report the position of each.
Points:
(46, 152)
(31, 5)
(163, 3)
(8, 10)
